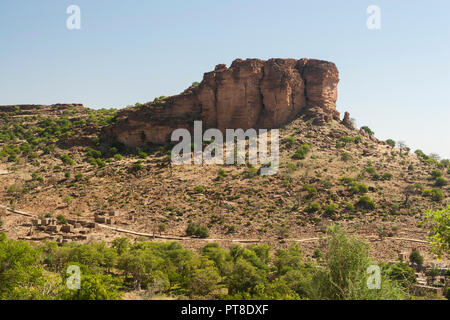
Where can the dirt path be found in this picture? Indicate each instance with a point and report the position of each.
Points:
(154, 236)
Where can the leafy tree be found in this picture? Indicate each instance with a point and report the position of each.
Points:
(368, 130)
(204, 280)
(95, 287)
(390, 143)
(245, 277)
(21, 274)
(439, 236)
(345, 275)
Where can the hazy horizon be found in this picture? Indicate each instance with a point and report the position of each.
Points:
(394, 80)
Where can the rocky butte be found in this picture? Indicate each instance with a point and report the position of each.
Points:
(250, 93)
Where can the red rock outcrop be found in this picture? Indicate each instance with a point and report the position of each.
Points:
(347, 121)
(250, 93)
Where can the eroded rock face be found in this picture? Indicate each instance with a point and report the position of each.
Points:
(347, 121)
(250, 93)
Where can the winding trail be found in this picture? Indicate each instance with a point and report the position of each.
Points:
(154, 236)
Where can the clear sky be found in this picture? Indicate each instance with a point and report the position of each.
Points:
(396, 79)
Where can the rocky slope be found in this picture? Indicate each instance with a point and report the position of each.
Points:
(250, 93)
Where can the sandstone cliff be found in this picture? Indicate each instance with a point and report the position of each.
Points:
(250, 93)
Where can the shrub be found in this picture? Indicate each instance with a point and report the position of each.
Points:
(366, 203)
(368, 130)
(421, 154)
(251, 171)
(301, 152)
(387, 176)
(142, 155)
(194, 229)
(346, 180)
(390, 143)
(199, 189)
(67, 200)
(312, 192)
(371, 170)
(118, 156)
(317, 254)
(290, 141)
(138, 166)
(61, 219)
(92, 153)
(359, 188)
(349, 206)
(436, 174)
(402, 273)
(313, 207)
(345, 156)
(331, 208)
(416, 257)
(440, 182)
(67, 160)
(435, 194)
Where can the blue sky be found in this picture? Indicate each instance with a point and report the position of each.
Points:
(396, 80)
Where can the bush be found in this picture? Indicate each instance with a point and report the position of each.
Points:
(138, 166)
(440, 182)
(359, 188)
(290, 141)
(194, 229)
(416, 257)
(67, 160)
(371, 170)
(403, 273)
(313, 207)
(435, 194)
(142, 155)
(390, 143)
(366, 203)
(345, 156)
(436, 174)
(368, 130)
(331, 208)
(301, 152)
(251, 171)
(61, 219)
(387, 176)
(199, 189)
(346, 180)
(312, 192)
(92, 153)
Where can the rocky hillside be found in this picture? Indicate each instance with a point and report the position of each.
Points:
(57, 165)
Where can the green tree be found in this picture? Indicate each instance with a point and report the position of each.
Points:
(439, 235)
(390, 143)
(345, 275)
